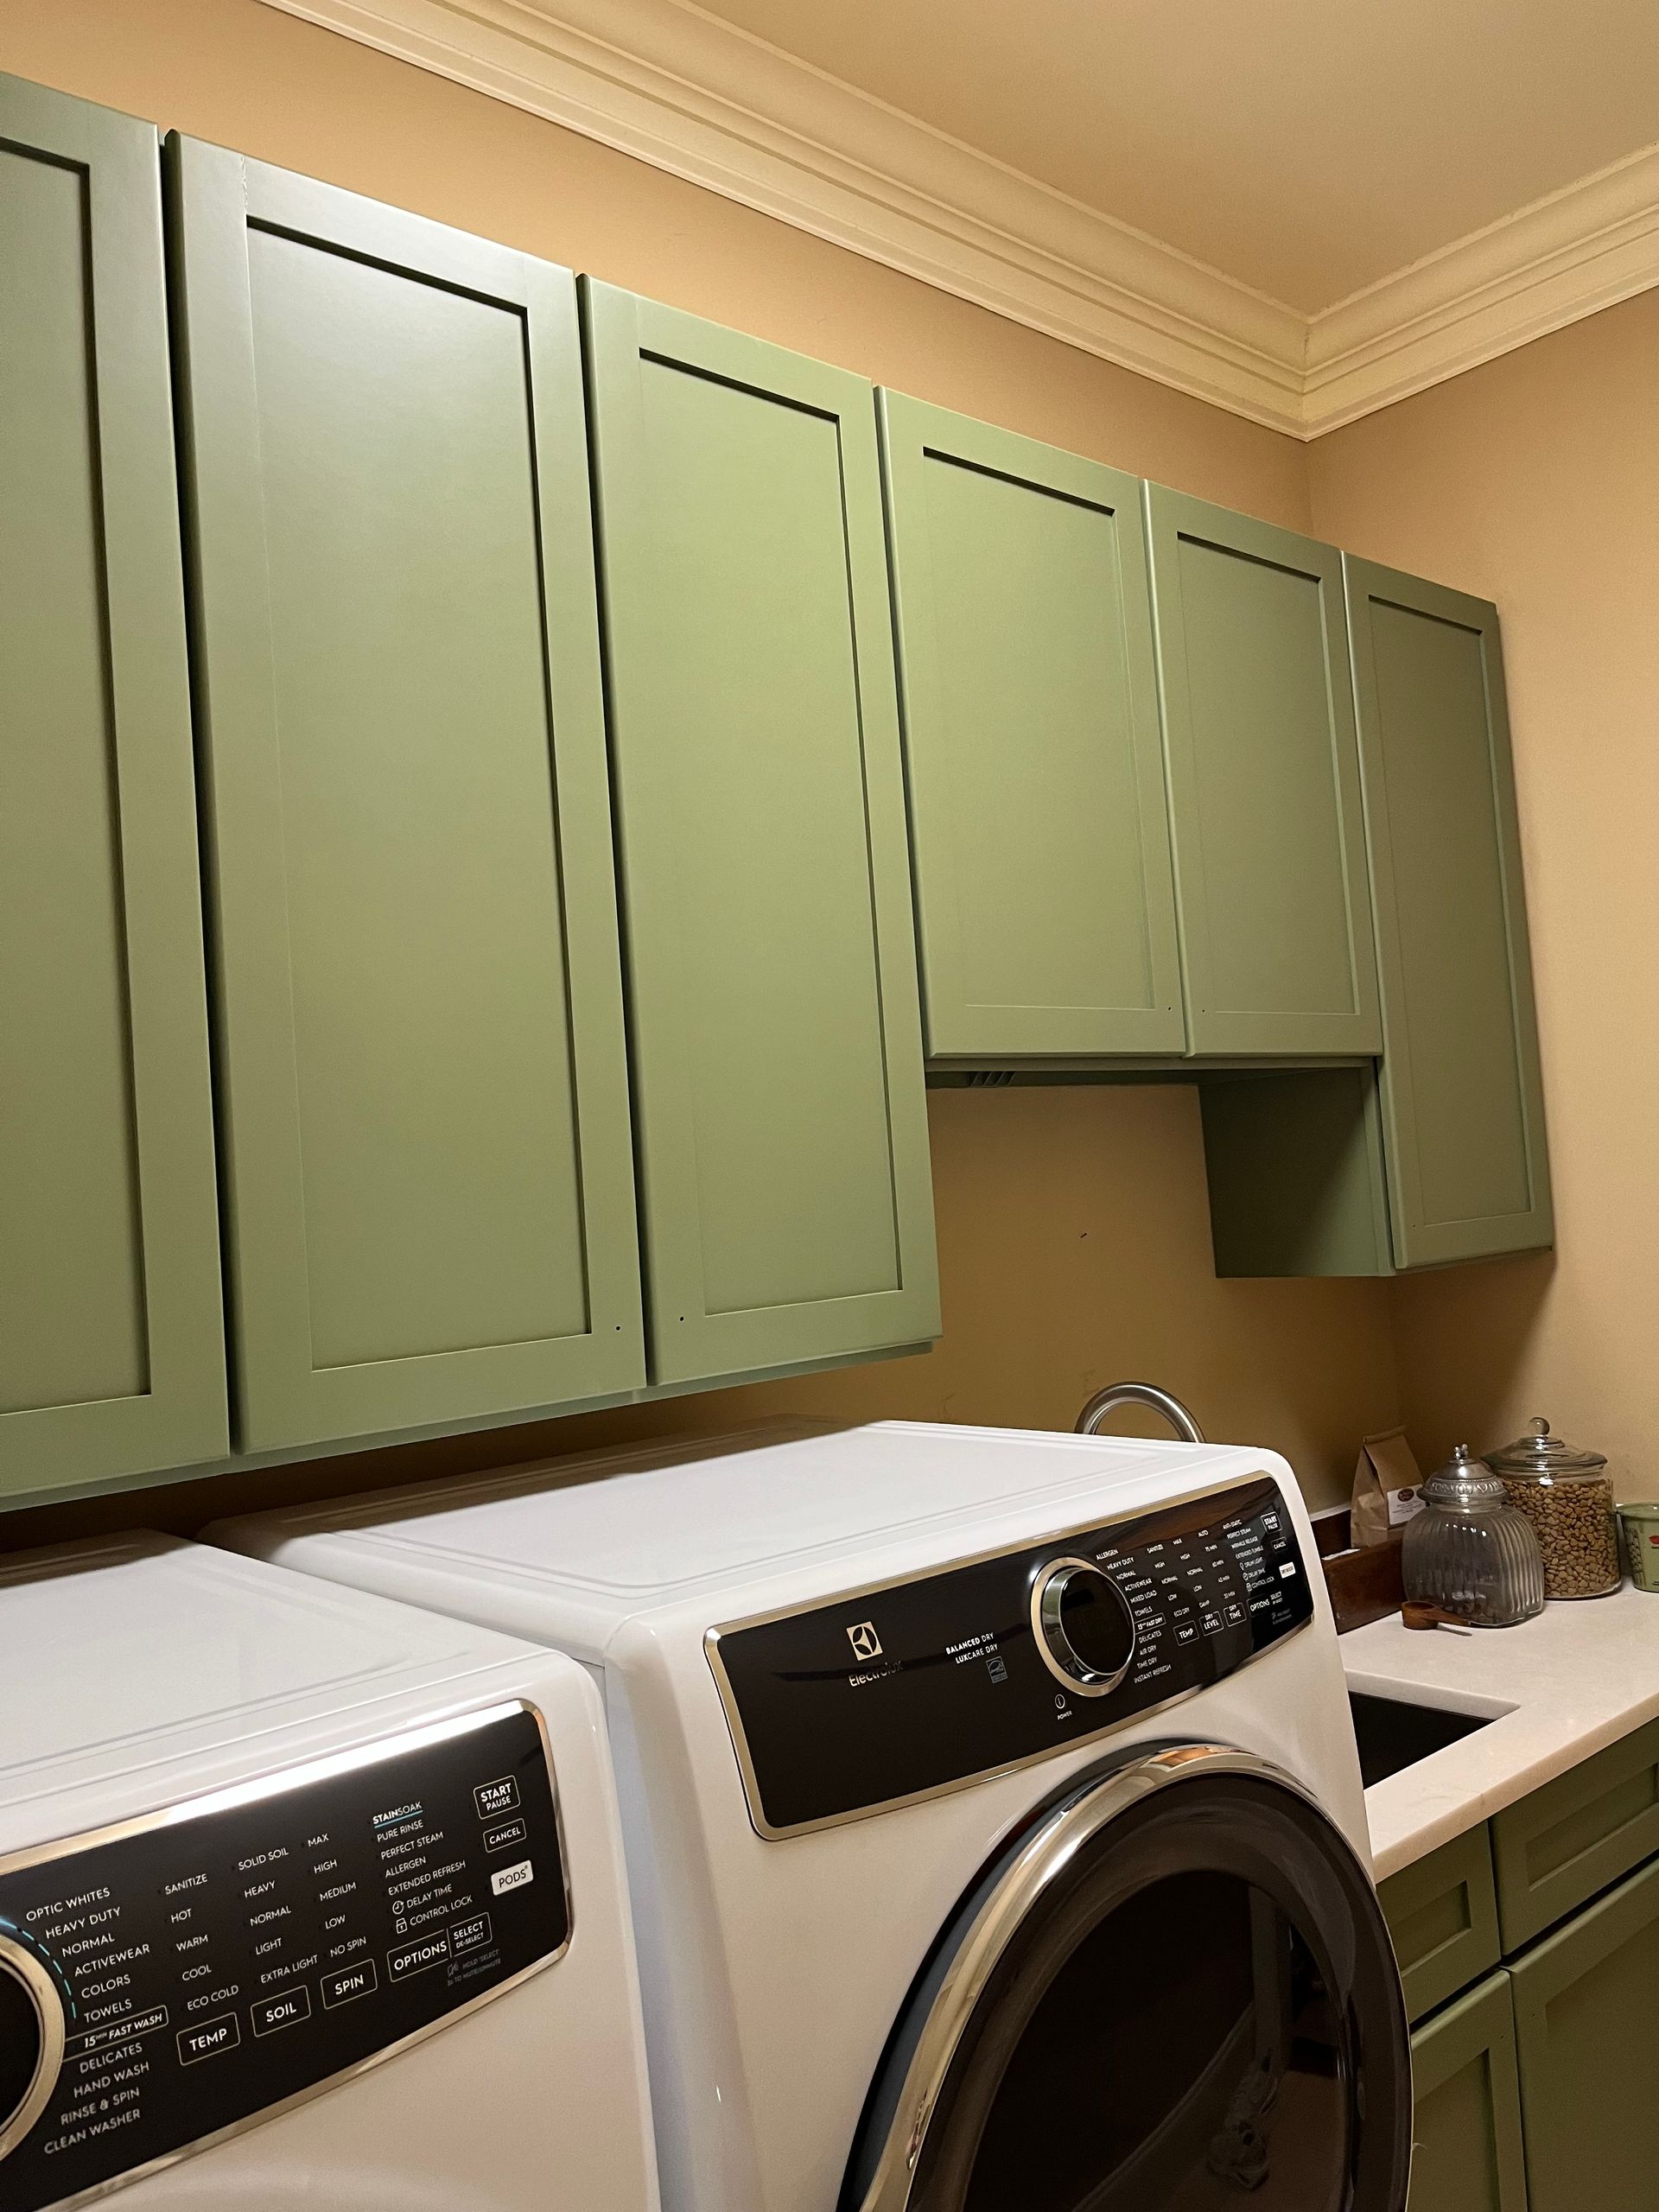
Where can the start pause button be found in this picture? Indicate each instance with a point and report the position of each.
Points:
(494, 1798)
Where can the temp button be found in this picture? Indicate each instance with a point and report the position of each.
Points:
(209, 2039)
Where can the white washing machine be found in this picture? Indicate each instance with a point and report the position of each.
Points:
(309, 1902)
(992, 1808)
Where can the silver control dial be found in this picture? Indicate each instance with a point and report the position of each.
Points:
(31, 2041)
(1084, 1631)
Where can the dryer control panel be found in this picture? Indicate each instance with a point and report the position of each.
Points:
(896, 1693)
(177, 1977)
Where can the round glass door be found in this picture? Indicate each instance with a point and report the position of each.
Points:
(1174, 1994)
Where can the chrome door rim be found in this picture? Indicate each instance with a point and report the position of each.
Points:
(27, 1969)
(1045, 1855)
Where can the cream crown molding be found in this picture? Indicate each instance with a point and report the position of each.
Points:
(661, 81)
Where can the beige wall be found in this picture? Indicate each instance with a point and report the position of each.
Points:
(1073, 1236)
(1534, 481)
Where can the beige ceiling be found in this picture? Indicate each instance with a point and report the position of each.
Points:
(1305, 147)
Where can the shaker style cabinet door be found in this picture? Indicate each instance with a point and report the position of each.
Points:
(112, 1342)
(1039, 814)
(1586, 2017)
(788, 1204)
(1467, 2152)
(1276, 939)
(1462, 1100)
(423, 1079)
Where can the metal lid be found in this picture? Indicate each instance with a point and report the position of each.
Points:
(1543, 1456)
(1463, 1481)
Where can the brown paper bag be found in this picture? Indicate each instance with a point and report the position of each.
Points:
(1386, 1482)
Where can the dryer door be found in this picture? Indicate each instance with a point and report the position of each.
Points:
(1173, 1992)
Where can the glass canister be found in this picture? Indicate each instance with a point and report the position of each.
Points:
(1567, 1496)
(1469, 1551)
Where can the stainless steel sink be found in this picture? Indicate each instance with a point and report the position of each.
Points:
(1393, 1734)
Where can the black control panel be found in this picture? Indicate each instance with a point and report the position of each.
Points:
(203, 1968)
(889, 1696)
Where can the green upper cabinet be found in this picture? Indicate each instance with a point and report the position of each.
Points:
(1039, 814)
(1264, 784)
(112, 1339)
(782, 1134)
(1462, 1100)
(424, 1078)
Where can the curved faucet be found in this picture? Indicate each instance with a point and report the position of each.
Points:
(1139, 1394)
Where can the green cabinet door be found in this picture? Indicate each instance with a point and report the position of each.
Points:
(776, 1037)
(1038, 816)
(112, 1337)
(424, 1077)
(1587, 2015)
(1462, 1102)
(1275, 919)
(1468, 2152)
(1442, 1915)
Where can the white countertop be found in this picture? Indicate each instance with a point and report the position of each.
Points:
(1565, 1685)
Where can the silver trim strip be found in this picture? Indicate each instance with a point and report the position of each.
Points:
(711, 1641)
(253, 1792)
(1050, 1849)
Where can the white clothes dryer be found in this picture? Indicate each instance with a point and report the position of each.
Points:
(992, 1806)
(309, 1902)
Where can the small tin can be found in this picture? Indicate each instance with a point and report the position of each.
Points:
(1640, 1522)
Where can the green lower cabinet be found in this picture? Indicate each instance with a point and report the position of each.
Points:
(786, 1199)
(1587, 2010)
(1039, 814)
(424, 1083)
(111, 1331)
(1442, 1915)
(1467, 2144)
(1588, 1828)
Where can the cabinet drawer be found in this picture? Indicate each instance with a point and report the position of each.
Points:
(1466, 2151)
(1442, 1914)
(1575, 1835)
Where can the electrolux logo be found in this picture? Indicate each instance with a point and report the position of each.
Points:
(865, 1643)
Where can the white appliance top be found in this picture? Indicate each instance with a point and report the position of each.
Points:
(635, 1529)
(120, 1655)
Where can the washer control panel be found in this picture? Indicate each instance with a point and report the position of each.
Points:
(173, 1979)
(893, 1693)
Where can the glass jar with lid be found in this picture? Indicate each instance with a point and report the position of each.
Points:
(1469, 1551)
(1567, 1496)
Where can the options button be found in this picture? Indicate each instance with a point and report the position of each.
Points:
(415, 1958)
